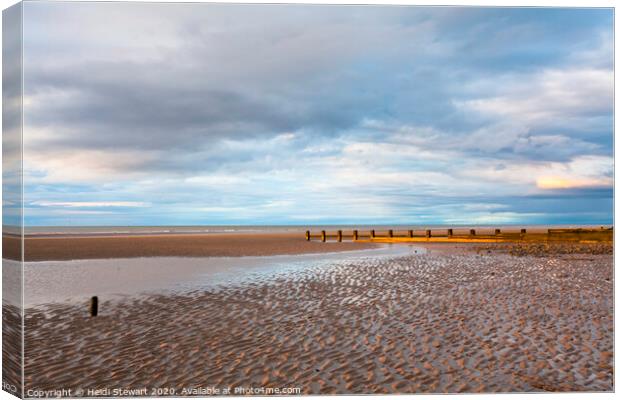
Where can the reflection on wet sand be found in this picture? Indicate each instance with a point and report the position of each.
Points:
(76, 280)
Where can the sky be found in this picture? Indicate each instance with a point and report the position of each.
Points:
(199, 114)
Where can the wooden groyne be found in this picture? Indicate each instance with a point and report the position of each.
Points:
(455, 235)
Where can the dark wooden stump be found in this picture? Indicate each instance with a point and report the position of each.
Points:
(94, 306)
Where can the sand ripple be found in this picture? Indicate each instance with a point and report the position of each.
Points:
(430, 323)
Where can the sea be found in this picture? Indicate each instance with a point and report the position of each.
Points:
(219, 229)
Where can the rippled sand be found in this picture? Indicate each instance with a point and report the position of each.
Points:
(430, 323)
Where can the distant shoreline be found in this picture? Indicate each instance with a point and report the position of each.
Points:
(99, 231)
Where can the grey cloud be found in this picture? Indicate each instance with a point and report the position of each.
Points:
(320, 70)
(194, 90)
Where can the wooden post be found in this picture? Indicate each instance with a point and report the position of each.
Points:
(323, 236)
(372, 233)
(391, 233)
(410, 233)
(498, 231)
(428, 233)
(94, 306)
(340, 236)
(472, 232)
(308, 235)
(450, 232)
(355, 234)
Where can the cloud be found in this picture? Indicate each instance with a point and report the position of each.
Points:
(544, 97)
(90, 204)
(210, 113)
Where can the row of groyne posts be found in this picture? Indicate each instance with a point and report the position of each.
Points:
(356, 235)
(577, 234)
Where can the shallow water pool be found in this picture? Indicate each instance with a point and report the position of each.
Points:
(78, 280)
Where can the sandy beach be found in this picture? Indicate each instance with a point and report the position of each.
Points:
(180, 245)
(456, 319)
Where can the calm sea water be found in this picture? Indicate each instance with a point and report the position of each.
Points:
(138, 230)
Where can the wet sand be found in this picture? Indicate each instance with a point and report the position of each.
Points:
(174, 245)
(12, 348)
(443, 322)
(520, 249)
